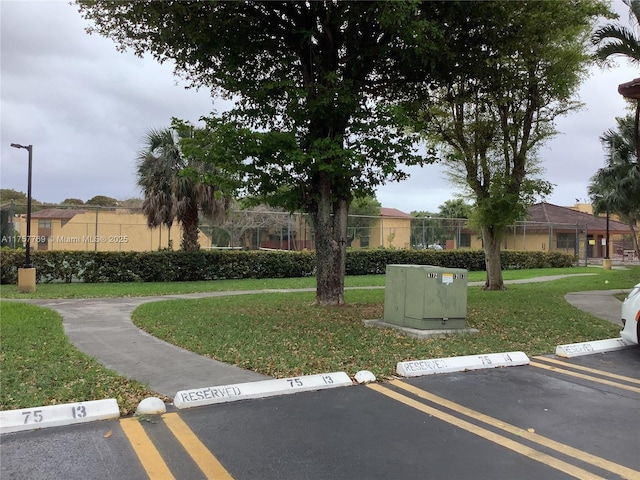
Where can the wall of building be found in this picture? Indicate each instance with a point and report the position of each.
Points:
(391, 233)
(121, 230)
(102, 231)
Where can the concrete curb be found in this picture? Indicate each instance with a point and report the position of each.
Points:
(419, 368)
(589, 348)
(58, 415)
(266, 388)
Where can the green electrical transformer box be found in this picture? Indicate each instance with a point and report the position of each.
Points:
(425, 297)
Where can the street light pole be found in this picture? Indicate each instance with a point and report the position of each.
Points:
(28, 148)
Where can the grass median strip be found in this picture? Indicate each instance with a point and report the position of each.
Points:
(114, 290)
(283, 335)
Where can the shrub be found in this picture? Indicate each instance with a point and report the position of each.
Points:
(180, 266)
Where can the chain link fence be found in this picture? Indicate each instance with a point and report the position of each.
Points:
(89, 228)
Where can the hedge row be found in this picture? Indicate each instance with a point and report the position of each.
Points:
(169, 266)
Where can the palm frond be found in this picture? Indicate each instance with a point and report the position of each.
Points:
(616, 43)
(634, 12)
(616, 187)
(616, 39)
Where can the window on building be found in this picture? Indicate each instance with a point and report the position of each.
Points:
(364, 242)
(566, 240)
(44, 223)
(465, 240)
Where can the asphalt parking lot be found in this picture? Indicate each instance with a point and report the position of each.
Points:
(553, 419)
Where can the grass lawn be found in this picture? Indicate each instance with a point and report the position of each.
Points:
(102, 290)
(282, 334)
(39, 366)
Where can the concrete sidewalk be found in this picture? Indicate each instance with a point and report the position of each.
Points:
(103, 329)
(599, 303)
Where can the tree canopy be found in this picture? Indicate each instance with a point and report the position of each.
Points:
(363, 214)
(519, 66)
(313, 85)
(615, 188)
(72, 201)
(619, 40)
(316, 87)
(174, 188)
(456, 208)
(9, 194)
(102, 201)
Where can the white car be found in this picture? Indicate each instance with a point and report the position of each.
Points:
(631, 316)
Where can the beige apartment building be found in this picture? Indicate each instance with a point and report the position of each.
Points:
(548, 228)
(102, 230)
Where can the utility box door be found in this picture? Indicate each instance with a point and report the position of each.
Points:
(425, 296)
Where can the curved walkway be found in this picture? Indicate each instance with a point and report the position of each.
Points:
(599, 303)
(103, 329)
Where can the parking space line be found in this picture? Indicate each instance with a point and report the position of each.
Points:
(562, 448)
(505, 442)
(587, 369)
(206, 461)
(586, 377)
(149, 457)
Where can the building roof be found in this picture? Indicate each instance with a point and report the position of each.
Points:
(57, 213)
(563, 217)
(393, 212)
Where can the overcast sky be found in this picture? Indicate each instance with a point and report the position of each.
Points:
(85, 107)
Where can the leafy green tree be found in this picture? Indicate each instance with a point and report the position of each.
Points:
(243, 226)
(312, 83)
(616, 187)
(173, 189)
(72, 201)
(7, 195)
(457, 208)
(363, 214)
(132, 203)
(422, 229)
(519, 65)
(102, 201)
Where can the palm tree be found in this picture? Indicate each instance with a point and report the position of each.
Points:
(615, 39)
(616, 187)
(173, 189)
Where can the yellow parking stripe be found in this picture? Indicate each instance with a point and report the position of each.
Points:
(587, 369)
(205, 460)
(599, 462)
(489, 435)
(149, 456)
(586, 377)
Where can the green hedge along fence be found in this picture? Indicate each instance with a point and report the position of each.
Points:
(178, 266)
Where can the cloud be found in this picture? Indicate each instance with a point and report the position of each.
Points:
(86, 107)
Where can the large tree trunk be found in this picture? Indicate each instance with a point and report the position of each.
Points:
(330, 224)
(492, 259)
(190, 230)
